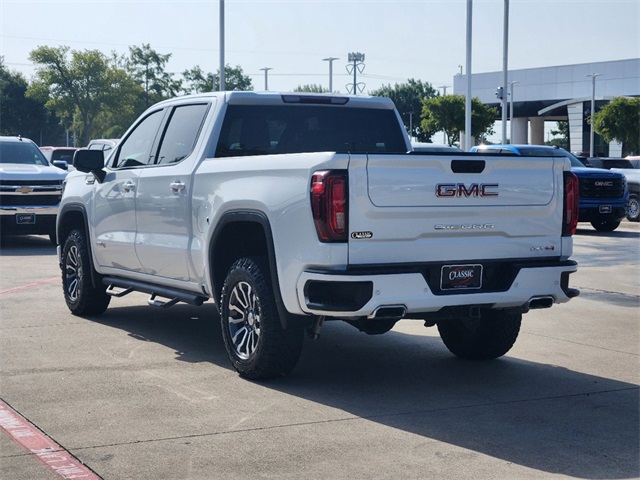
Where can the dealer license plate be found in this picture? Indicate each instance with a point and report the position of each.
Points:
(461, 277)
(605, 209)
(25, 218)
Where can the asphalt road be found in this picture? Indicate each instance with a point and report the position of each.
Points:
(144, 393)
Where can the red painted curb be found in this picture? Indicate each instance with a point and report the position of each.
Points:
(40, 446)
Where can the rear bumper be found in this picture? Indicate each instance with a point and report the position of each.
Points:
(598, 213)
(347, 295)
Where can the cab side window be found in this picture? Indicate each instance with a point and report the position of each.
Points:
(181, 133)
(137, 149)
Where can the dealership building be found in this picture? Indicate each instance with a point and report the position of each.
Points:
(550, 94)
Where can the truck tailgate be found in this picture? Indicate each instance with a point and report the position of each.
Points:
(423, 208)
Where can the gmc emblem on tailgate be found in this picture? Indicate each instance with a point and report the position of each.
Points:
(462, 190)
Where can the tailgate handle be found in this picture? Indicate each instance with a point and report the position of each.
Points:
(467, 166)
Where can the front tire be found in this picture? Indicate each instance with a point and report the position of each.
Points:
(257, 345)
(633, 211)
(605, 225)
(81, 296)
(490, 336)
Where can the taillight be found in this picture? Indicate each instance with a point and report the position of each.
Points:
(571, 204)
(329, 205)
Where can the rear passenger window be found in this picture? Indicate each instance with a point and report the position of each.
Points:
(181, 133)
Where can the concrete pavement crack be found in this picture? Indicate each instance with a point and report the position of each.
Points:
(349, 419)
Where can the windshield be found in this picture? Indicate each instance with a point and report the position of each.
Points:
(66, 155)
(550, 152)
(22, 152)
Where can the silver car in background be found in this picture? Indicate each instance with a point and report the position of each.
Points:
(30, 189)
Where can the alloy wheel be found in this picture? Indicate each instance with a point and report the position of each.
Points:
(73, 273)
(244, 320)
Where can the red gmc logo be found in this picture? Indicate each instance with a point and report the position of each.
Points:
(462, 190)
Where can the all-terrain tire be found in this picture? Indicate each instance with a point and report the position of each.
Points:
(490, 336)
(81, 296)
(257, 345)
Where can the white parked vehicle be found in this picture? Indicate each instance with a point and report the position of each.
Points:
(633, 183)
(30, 189)
(289, 210)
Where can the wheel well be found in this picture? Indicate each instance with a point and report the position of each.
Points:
(71, 220)
(236, 240)
(75, 219)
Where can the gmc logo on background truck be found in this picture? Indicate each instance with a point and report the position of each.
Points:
(461, 190)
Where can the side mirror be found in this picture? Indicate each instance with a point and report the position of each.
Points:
(61, 164)
(90, 161)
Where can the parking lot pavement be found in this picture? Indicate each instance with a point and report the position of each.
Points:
(147, 393)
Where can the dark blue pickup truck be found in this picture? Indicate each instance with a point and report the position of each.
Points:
(603, 194)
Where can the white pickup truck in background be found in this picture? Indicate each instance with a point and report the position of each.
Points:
(633, 184)
(30, 189)
(289, 210)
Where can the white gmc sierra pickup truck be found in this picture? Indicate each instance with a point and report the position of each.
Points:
(291, 209)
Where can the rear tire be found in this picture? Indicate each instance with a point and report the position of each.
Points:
(81, 296)
(605, 225)
(490, 336)
(633, 212)
(257, 345)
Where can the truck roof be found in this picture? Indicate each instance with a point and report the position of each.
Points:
(282, 98)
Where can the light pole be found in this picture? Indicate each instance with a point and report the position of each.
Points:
(593, 109)
(444, 94)
(467, 104)
(266, 77)
(330, 60)
(505, 69)
(222, 79)
(511, 84)
(411, 126)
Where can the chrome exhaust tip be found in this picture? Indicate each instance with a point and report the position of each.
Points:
(389, 312)
(536, 303)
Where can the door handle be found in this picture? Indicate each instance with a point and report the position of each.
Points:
(129, 186)
(177, 186)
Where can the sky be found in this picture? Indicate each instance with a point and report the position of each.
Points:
(420, 39)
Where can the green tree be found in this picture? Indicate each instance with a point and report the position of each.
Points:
(447, 113)
(560, 135)
(620, 120)
(123, 108)
(81, 87)
(408, 98)
(197, 81)
(311, 88)
(20, 115)
(148, 68)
